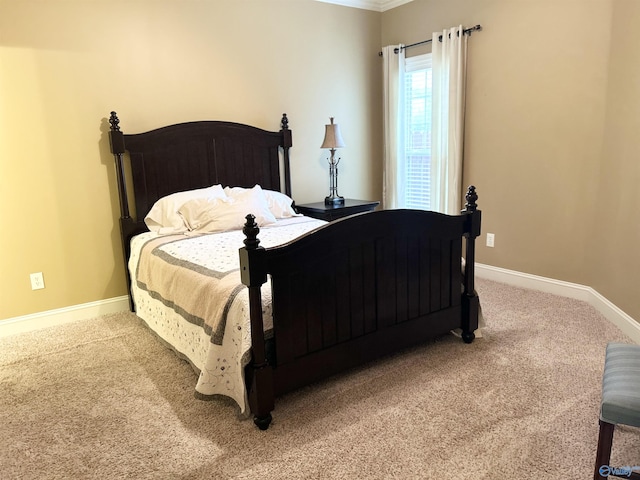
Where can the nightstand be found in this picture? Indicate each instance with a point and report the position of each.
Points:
(333, 212)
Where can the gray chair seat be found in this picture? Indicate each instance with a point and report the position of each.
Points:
(620, 403)
(621, 385)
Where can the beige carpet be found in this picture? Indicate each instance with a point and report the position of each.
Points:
(104, 399)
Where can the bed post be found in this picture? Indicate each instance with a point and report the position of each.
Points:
(470, 302)
(116, 142)
(287, 142)
(254, 275)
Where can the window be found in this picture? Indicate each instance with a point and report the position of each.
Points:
(417, 134)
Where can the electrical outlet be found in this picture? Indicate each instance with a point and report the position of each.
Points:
(37, 281)
(490, 239)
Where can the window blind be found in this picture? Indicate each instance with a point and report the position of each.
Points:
(417, 112)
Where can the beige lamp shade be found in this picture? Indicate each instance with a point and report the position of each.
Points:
(332, 136)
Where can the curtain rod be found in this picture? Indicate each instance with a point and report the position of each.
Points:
(466, 31)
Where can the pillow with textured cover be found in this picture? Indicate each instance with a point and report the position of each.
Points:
(164, 218)
(223, 214)
(279, 203)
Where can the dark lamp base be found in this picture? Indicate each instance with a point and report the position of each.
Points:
(335, 201)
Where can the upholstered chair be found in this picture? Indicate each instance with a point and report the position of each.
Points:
(620, 405)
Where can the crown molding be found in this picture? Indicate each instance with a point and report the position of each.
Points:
(375, 5)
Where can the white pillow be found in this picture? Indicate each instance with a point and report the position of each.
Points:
(279, 203)
(163, 217)
(221, 215)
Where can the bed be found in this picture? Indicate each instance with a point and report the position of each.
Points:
(278, 305)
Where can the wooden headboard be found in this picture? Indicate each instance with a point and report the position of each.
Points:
(194, 155)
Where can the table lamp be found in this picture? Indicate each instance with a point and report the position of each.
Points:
(333, 140)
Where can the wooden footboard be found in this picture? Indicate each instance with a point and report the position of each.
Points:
(357, 289)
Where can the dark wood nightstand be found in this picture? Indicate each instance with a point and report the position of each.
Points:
(333, 212)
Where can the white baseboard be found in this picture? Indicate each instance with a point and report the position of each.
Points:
(611, 312)
(36, 321)
(624, 322)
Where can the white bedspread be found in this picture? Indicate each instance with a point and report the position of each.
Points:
(220, 351)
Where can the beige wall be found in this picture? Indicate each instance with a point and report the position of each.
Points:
(65, 64)
(551, 141)
(614, 236)
(551, 132)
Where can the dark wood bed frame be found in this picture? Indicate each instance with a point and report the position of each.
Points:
(349, 292)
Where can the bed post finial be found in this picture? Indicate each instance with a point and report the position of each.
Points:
(115, 122)
(251, 231)
(285, 122)
(471, 197)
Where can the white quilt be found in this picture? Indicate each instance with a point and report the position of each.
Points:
(219, 351)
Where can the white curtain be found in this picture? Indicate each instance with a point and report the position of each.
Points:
(393, 138)
(449, 59)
